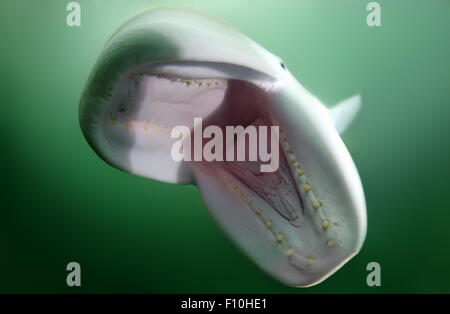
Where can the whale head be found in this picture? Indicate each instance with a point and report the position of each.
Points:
(300, 220)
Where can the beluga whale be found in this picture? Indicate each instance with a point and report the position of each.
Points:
(173, 80)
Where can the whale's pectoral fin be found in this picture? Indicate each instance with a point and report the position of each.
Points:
(344, 112)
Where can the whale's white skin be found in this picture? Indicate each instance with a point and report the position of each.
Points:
(168, 66)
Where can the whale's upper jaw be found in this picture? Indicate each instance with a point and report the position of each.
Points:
(299, 223)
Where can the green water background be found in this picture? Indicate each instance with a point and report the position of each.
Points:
(61, 203)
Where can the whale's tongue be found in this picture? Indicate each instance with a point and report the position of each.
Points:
(277, 188)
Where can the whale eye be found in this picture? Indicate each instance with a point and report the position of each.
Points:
(283, 66)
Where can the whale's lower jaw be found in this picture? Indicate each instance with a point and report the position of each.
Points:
(298, 256)
(291, 222)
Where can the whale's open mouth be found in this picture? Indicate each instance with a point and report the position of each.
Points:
(283, 209)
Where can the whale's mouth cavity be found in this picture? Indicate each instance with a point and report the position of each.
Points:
(150, 104)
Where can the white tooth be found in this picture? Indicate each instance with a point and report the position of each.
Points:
(300, 261)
